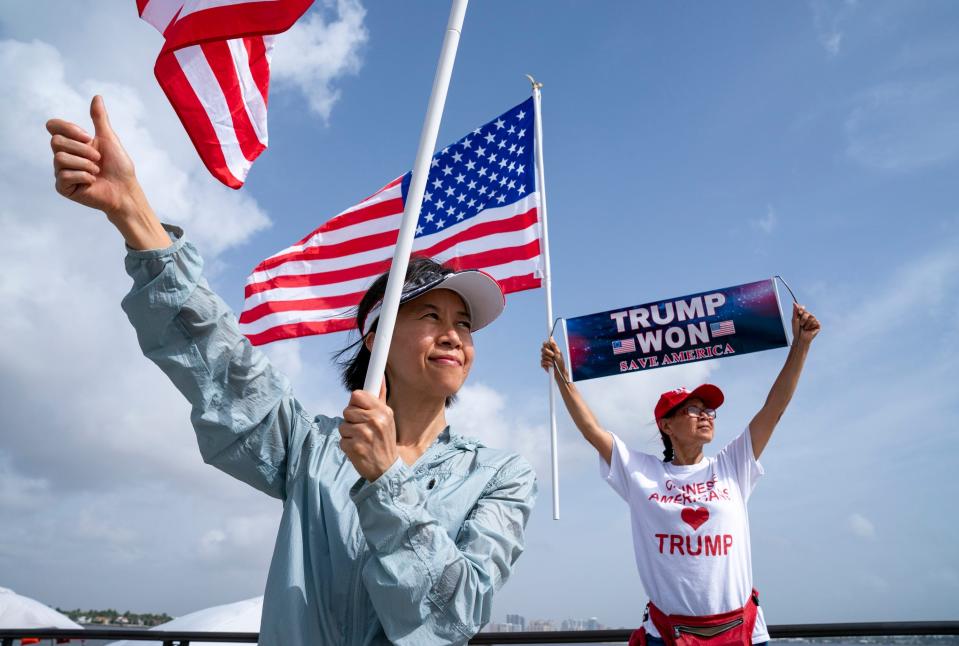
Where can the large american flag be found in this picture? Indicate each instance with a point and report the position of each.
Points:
(215, 69)
(480, 211)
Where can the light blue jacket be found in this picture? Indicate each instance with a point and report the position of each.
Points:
(412, 558)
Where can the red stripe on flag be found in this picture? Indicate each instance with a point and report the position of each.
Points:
(374, 211)
(234, 21)
(520, 283)
(259, 65)
(223, 66)
(193, 116)
(293, 330)
(515, 223)
(319, 278)
(141, 5)
(338, 250)
(388, 238)
(305, 305)
(501, 256)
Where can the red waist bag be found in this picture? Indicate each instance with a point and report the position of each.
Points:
(733, 628)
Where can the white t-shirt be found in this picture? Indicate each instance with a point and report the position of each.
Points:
(690, 528)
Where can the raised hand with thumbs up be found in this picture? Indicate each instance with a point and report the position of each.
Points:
(97, 172)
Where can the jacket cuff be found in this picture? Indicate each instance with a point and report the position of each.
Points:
(384, 506)
(176, 237)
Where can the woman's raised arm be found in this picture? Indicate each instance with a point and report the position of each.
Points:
(247, 422)
(602, 440)
(805, 327)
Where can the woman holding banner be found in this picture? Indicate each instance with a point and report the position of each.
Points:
(689, 521)
(394, 529)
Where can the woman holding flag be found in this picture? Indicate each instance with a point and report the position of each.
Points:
(394, 528)
(689, 521)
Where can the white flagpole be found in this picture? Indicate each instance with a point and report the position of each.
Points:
(414, 199)
(547, 284)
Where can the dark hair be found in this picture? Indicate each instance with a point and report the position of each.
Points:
(667, 442)
(354, 359)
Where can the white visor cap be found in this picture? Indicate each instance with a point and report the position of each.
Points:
(483, 296)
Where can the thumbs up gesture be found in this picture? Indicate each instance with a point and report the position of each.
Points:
(94, 171)
(97, 172)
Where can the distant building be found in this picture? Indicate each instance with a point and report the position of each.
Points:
(517, 620)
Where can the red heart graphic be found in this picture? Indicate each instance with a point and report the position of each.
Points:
(695, 517)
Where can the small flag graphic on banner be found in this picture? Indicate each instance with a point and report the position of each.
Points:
(624, 346)
(722, 328)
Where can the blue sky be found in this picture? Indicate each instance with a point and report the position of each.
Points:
(688, 147)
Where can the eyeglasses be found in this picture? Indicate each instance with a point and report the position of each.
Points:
(696, 411)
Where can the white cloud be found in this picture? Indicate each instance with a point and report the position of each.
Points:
(623, 404)
(829, 18)
(318, 51)
(861, 526)
(905, 126)
(63, 277)
(488, 415)
(240, 539)
(768, 222)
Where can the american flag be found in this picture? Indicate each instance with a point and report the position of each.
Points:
(722, 328)
(480, 211)
(215, 69)
(623, 346)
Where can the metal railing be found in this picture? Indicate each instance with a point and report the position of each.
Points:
(9, 637)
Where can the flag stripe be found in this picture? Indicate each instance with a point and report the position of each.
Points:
(498, 272)
(508, 232)
(305, 328)
(349, 243)
(258, 52)
(234, 117)
(325, 303)
(202, 81)
(344, 286)
(347, 312)
(252, 101)
(188, 106)
(246, 18)
(285, 300)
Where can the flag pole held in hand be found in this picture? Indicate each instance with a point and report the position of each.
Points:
(547, 285)
(414, 199)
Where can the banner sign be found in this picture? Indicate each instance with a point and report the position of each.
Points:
(721, 323)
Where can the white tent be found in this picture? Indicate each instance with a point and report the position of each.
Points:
(17, 611)
(238, 617)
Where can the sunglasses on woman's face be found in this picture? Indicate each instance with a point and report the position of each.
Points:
(696, 411)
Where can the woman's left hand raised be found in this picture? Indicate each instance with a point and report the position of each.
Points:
(368, 434)
(805, 325)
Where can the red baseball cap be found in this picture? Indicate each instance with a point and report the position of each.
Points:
(711, 395)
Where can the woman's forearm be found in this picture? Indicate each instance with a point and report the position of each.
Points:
(780, 394)
(584, 418)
